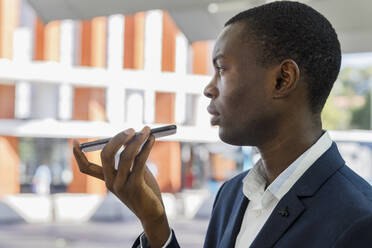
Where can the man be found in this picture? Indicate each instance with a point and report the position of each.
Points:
(275, 66)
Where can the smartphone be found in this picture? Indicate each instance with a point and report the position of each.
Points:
(99, 144)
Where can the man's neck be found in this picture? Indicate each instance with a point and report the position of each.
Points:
(283, 150)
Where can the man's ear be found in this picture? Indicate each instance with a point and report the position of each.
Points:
(287, 78)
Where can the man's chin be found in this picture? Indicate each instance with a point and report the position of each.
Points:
(233, 137)
(229, 137)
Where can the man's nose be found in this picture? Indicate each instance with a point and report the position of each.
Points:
(210, 90)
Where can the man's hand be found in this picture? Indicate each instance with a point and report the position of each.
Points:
(132, 183)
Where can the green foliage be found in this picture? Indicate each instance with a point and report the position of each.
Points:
(351, 82)
(335, 118)
(361, 117)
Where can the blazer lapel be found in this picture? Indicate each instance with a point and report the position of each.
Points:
(235, 221)
(282, 217)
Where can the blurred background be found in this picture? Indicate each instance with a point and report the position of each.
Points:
(86, 77)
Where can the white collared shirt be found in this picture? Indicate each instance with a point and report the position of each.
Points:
(262, 202)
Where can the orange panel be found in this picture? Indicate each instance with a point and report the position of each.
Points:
(9, 159)
(222, 168)
(7, 101)
(52, 41)
(134, 38)
(47, 40)
(165, 107)
(39, 40)
(201, 57)
(81, 100)
(170, 32)
(89, 104)
(9, 18)
(129, 42)
(85, 44)
(139, 40)
(167, 157)
(98, 41)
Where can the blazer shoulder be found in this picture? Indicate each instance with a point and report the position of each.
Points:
(236, 181)
(231, 187)
(357, 182)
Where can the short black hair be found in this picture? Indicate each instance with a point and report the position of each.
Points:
(291, 30)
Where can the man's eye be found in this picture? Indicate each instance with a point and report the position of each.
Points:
(220, 69)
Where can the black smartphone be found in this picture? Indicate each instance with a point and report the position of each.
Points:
(99, 144)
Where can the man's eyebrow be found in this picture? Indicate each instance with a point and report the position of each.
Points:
(218, 56)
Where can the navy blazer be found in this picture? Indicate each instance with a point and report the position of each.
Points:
(329, 206)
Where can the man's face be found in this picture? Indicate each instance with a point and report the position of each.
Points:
(240, 90)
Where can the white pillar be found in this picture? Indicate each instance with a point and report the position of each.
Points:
(134, 113)
(22, 54)
(44, 101)
(115, 42)
(115, 92)
(67, 51)
(22, 99)
(152, 57)
(181, 68)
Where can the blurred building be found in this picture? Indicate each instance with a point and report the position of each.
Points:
(93, 78)
(90, 79)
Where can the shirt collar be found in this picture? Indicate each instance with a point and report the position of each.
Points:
(254, 183)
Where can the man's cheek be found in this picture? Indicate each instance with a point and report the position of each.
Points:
(236, 98)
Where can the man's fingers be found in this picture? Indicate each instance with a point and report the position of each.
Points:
(108, 155)
(128, 155)
(140, 161)
(84, 165)
(116, 142)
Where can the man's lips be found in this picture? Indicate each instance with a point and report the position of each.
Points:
(215, 115)
(215, 120)
(212, 110)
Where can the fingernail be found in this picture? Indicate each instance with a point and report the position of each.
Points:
(143, 130)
